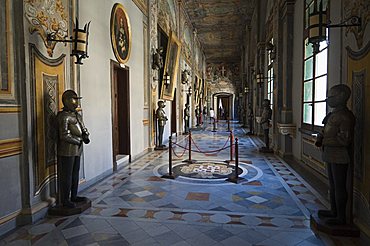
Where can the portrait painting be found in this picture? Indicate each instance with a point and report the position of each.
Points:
(120, 33)
(171, 67)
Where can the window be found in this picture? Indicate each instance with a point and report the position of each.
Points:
(314, 76)
(270, 76)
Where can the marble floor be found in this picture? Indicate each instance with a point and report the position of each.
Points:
(269, 205)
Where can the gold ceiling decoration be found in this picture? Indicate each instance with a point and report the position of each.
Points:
(219, 25)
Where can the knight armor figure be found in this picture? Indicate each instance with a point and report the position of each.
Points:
(72, 133)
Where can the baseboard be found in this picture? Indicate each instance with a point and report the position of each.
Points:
(141, 154)
(8, 226)
(93, 181)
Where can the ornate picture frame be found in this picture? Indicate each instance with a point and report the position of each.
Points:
(171, 67)
(120, 31)
(197, 89)
(8, 86)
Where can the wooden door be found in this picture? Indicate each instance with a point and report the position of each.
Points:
(120, 112)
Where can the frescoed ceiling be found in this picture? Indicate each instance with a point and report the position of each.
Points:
(219, 25)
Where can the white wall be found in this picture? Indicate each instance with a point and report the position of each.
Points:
(96, 84)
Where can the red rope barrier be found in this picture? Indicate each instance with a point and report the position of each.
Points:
(212, 151)
(209, 153)
(182, 154)
(181, 139)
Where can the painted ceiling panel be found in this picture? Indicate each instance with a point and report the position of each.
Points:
(219, 25)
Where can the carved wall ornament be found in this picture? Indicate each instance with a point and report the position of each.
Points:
(45, 17)
(222, 72)
(359, 8)
(142, 5)
(153, 18)
(167, 16)
(287, 129)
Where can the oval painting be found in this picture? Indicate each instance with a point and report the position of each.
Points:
(120, 31)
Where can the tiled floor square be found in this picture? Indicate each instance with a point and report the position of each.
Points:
(155, 178)
(195, 196)
(257, 199)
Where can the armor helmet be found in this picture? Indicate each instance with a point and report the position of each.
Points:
(69, 99)
(338, 95)
(266, 103)
(161, 104)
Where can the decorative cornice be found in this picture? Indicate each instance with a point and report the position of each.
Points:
(287, 129)
(10, 147)
(358, 8)
(142, 5)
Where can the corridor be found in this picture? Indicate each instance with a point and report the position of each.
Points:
(270, 205)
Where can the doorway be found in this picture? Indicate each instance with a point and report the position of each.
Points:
(173, 114)
(223, 107)
(120, 84)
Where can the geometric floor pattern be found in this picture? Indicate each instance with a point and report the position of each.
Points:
(271, 205)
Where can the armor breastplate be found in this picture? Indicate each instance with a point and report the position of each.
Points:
(161, 117)
(70, 134)
(337, 136)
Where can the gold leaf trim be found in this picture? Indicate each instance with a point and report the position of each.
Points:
(10, 147)
(10, 109)
(8, 217)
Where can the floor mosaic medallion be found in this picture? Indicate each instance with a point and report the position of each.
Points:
(209, 172)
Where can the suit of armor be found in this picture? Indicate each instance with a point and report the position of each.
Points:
(265, 121)
(336, 141)
(337, 136)
(161, 118)
(71, 135)
(197, 115)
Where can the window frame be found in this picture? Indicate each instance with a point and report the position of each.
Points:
(311, 126)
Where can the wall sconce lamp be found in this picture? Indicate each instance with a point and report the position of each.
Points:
(190, 91)
(260, 78)
(166, 79)
(79, 40)
(318, 24)
(246, 89)
(272, 50)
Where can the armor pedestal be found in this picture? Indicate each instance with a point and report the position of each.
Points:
(266, 150)
(319, 224)
(65, 211)
(163, 147)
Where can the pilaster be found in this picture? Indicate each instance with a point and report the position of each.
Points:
(285, 78)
